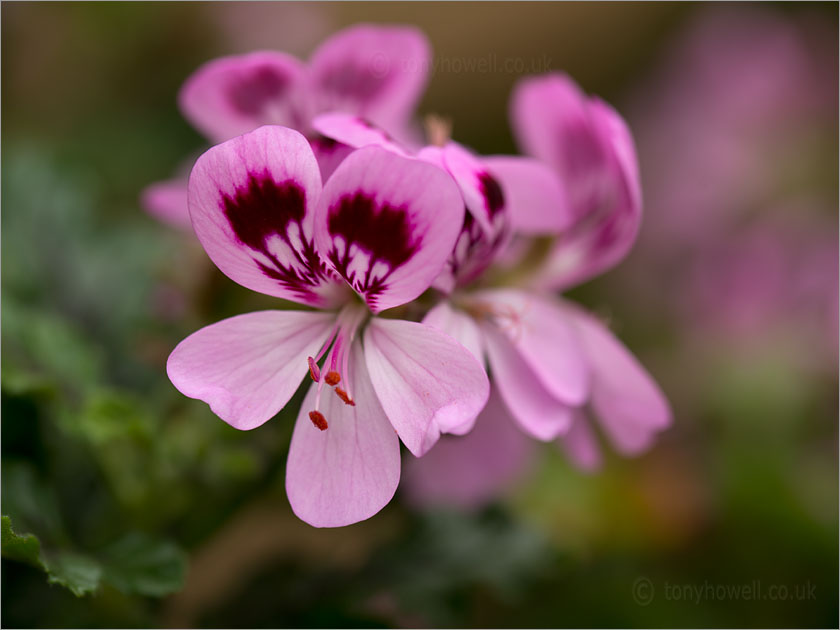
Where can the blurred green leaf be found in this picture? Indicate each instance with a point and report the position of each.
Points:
(23, 548)
(79, 573)
(145, 566)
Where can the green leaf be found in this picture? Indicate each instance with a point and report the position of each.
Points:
(20, 547)
(76, 572)
(81, 574)
(145, 566)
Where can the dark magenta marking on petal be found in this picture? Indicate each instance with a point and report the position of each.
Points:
(264, 208)
(382, 230)
(474, 250)
(250, 93)
(323, 143)
(492, 193)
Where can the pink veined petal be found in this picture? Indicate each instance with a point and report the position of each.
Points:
(377, 72)
(482, 193)
(349, 471)
(485, 229)
(167, 201)
(602, 239)
(538, 329)
(247, 367)
(252, 204)
(542, 108)
(387, 224)
(355, 132)
(531, 405)
(427, 382)
(458, 325)
(581, 444)
(616, 130)
(591, 148)
(536, 201)
(627, 401)
(471, 470)
(230, 96)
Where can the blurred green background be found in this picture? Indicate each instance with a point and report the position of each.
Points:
(156, 513)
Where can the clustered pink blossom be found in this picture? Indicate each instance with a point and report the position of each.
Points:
(320, 192)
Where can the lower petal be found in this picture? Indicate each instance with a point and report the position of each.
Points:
(530, 404)
(546, 341)
(581, 444)
(627, 400)
(247, 367)
(457, 325)
(470, 471)
(350, 470)
(427, 382)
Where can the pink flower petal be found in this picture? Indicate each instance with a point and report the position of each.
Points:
(329, 154)
(355, 132)
(252, 205)
(531, 405)
(484, 232)
(471, 470)
(592, 150)
(376, 72)
(581, 444)
(458, 325)
(536, 201)
(247, 367)
(627, 401)
(349, 471)
(167, 201)
(538, 330)
(387, 224)
(548, 110)
(482, 193)
(230, 96)
(427, 383)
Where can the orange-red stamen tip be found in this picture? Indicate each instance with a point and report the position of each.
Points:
(343, 395)
(332, 378)
(318, 420)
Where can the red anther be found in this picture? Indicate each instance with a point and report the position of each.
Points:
(332, 378)
(314, 370)
(318, 420)
(343, 395)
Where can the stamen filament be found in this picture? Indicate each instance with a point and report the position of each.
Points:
(337, 348)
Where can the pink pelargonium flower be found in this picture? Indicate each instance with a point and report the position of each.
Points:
(375, 71)
(554, 366)
(590, 147)
(373, 237)
(490, 187)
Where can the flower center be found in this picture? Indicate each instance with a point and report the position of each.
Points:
(336, 365)
(505, 317)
